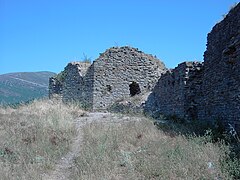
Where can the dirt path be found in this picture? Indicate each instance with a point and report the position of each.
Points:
(63, 166)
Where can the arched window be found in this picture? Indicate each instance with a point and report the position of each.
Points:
(134, 88)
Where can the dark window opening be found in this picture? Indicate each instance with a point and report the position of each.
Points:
(109, 88)
(134, 88)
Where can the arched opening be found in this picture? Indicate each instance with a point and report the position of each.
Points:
(134, 88)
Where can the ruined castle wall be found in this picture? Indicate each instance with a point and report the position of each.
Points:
(193, 90)
(87, 88)
(177, 91)
(55, 88)
(221, 77)
(117, 68)
(108, 79)
(74, 82)
(210, 92)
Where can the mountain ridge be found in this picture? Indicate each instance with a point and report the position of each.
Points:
(23, 86)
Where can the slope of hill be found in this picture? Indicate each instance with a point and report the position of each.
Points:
(23, 86)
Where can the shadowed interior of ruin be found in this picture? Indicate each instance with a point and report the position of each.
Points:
(134, 88)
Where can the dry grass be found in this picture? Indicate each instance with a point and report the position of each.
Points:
(33, 136)
(138, 150)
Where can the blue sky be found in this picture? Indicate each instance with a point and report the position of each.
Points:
(44, 35)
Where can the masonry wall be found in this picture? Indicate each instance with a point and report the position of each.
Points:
(193, 90)
(55, 88)
(209, 92)
(117, 68)
(73, 84)
(77, 83)
(177, 92)
(221, 87)
(190, 91)
(88, 87)
(108, 78)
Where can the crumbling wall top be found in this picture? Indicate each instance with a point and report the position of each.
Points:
(126, 51)
(82, 67)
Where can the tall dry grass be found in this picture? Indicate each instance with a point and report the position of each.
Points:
(138, 150)
(33, 137)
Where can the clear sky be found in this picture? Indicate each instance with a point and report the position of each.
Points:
(44, 35)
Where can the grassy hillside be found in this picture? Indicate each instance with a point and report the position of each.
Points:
(24, 86)
(35, 136)
(138, 150)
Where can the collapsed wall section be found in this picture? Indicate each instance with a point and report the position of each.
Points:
(177, 92)
(123, 72)
(222, 78)
(73, 84)
(88, 87)
(55, 88)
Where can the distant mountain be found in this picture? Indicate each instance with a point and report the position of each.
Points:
(23, 86)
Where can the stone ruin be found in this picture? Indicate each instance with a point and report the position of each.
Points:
(178, 91)
(118, 73)
(221, 80)
(193, 90)
(210, 91)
